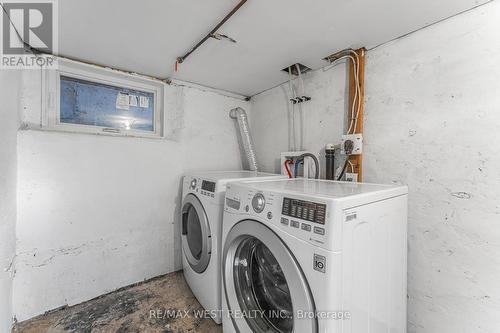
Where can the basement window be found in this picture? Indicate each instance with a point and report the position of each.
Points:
(89, 99)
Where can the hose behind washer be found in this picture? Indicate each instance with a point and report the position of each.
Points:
(316, 163)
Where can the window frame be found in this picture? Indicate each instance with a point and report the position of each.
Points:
(51, 98)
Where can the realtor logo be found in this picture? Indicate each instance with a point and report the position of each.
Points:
(29, 34)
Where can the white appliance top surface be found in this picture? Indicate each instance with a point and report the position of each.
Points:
(323, 188)
(231, 175)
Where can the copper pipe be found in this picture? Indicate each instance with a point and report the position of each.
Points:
(180, 60)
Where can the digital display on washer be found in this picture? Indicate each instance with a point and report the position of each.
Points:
(306, 210)
(208, 186)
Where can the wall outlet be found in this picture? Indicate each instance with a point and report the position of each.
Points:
(351, 177)
(351, 144)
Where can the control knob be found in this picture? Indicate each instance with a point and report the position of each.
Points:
(258, 202)
(193, 183)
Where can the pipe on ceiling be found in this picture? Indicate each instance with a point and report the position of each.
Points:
(180, 60)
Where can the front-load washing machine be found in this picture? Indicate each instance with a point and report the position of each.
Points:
(309, 256)
(202, 210)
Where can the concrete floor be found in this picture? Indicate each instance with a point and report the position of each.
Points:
(156, 305)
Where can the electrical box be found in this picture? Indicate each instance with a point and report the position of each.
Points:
(351, 177)
(293, 155)
(351, 144)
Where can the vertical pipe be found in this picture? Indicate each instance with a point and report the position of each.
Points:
(330, 162)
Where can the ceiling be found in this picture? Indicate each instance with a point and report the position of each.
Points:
(147, 36)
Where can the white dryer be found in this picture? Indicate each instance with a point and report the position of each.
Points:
(308, 256)
(201, 219)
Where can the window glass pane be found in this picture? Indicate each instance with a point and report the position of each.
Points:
(90, 103)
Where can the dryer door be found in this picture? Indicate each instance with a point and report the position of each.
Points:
(263, 281)
(196, 236)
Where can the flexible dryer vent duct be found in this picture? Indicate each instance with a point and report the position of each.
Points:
(245, 138)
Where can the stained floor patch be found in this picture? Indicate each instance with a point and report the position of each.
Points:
(164, 304)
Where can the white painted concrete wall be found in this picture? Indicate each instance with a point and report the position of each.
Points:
(435, 98)
(323, 116)
(432, 122)
(98, 212)
(10, 81)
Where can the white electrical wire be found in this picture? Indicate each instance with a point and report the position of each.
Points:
(357, 93)
(301, 81)
(300, 145)
(289, 118)
(351, 166)
(290, 113)
(354, 112)
(296, 93)
(301, 111)
(301, 128)
(358, 88)
(292, 105)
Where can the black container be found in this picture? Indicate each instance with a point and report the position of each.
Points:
(330, 162)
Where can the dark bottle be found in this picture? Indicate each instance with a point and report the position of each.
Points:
(330, 161)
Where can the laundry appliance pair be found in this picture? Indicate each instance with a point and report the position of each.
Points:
(303, 255)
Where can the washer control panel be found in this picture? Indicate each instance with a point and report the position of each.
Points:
(304, 219)
(207, 185)
(305, 210)
(302, 226)
(300, 218)
(201, 186)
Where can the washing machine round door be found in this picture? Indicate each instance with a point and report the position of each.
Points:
(196, 236)
(264, 282)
